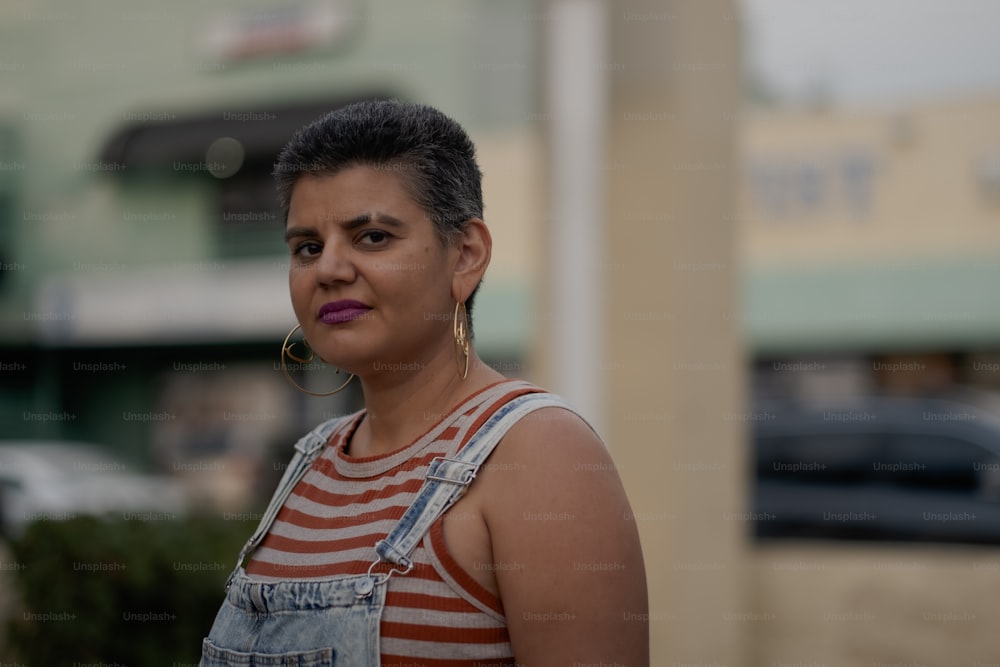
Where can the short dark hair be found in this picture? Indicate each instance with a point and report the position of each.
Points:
(433, 155)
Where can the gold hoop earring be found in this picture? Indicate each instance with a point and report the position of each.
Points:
(286, 349)
(460, 328)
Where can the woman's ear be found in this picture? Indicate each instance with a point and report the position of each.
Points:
(474, 246)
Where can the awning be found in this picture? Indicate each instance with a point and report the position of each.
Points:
(156, 140)
(930, 305)
(172, 304)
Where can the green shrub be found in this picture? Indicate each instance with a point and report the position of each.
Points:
(136, 593)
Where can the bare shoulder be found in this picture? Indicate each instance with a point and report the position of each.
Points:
(555, 434)
(569, 566)
(553, 460)
(556, 447)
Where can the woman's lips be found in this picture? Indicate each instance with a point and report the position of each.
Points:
(337, 312)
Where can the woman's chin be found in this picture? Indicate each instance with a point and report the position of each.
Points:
(344, 365)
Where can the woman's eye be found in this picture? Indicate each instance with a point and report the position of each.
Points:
(374, 237)
(306, 250)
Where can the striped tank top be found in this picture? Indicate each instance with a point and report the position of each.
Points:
(436, 615)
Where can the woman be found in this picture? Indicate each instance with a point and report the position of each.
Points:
(378, 548)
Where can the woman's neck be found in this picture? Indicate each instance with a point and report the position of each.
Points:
(401, 406)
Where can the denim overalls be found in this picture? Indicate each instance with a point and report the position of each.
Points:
(335, 622)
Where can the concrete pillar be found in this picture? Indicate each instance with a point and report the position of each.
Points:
(577, 94)
(673, 366)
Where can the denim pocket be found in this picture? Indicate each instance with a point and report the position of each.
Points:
(213, 656)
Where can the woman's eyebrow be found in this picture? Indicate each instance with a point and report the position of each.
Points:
(296, 232)
(365, 218)
(352, 223)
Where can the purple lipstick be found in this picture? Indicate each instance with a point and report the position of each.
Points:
(345, 310)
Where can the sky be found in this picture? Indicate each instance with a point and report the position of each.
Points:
(874, 52)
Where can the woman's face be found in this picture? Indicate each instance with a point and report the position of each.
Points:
(370, 280)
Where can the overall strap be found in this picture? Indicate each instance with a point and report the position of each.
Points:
(307, 450)
(446, 481)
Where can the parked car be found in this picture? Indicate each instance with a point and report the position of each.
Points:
(60, 480)
(877, 468)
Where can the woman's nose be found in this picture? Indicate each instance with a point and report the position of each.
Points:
(335, 264)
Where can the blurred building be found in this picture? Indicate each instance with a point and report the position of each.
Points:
(144, 284)
(871, 242)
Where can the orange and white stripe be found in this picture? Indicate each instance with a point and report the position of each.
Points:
(437, 614)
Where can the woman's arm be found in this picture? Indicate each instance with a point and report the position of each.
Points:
(570, 572)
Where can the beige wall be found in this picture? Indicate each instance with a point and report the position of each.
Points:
(859, 605)
(927, 200)
(512, 190)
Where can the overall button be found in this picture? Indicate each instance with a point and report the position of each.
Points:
(364, 587)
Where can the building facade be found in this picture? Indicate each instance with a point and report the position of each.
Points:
(871, 246)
